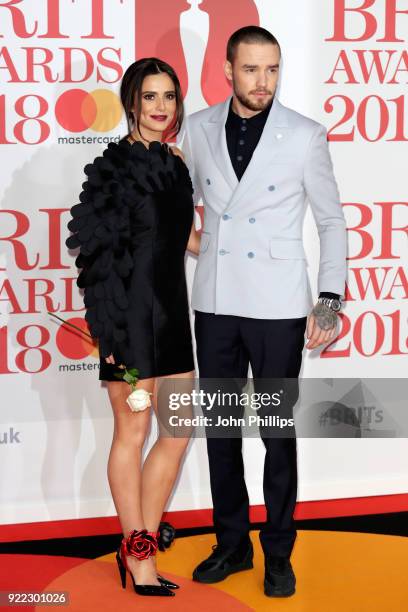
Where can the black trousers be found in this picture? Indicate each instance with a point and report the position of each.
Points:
(226, 345)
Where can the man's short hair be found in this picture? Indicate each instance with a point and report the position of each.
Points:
(249, 35)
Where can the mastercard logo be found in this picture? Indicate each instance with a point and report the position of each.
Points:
(77, 110)
(74, 345)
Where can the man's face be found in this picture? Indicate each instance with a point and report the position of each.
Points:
(254, 74)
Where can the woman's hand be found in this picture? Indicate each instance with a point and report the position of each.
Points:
(110, 359)
(194, 241)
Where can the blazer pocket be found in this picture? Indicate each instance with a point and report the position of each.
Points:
(280, 248)
(205, 241)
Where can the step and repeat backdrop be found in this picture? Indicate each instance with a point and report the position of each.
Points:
(345, 64)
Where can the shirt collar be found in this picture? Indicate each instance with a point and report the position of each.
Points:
(257, 121)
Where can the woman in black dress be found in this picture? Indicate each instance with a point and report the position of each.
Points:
(133, 225)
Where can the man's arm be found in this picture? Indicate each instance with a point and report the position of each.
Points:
(184, 142)
(321, 188)
(323, 194)
(195, 238)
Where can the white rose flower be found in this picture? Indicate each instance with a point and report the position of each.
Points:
(139, 400)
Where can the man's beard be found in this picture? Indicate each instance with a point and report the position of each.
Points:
(253, 105)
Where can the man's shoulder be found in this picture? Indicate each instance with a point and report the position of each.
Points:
(298, 120)
(205, 114)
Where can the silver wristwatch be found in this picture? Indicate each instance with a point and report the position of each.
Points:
(332, 303)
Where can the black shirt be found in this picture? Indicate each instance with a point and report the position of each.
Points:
(243, 135)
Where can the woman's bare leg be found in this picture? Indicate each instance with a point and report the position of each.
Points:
(162, 464)
(124, 468)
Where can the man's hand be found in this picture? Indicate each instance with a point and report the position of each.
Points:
(321, 325)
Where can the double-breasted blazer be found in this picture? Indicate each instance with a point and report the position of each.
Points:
(252, 261)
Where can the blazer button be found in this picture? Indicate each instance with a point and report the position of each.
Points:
(252, 219)
(251, 255)
(222, 252)
(271, 187)
(226, 217)
(208, 181)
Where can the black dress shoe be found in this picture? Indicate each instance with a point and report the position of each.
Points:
(167, 533)
(223, 561)
(280, 580)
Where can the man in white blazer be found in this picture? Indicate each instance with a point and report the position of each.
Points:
(256, 164)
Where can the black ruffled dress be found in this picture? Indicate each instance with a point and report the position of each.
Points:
(132, 227)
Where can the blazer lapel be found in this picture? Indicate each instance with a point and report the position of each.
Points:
(217, 141)
(274, 136)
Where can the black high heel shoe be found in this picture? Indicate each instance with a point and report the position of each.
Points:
(166, 535)
(167, 583)
(140, 544)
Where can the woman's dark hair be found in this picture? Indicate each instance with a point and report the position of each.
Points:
(249, 35)
(131, 92)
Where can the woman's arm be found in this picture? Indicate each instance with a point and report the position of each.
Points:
(194, 240)
(99, 229)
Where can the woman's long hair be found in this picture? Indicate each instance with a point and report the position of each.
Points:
(131, 92)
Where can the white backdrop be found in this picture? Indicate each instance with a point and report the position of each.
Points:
(59, 88)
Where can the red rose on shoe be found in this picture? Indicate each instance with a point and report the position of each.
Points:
(141, 544)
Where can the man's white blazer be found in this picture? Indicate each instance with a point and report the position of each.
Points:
(252, 261)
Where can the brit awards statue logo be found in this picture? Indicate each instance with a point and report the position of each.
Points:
(192, 35)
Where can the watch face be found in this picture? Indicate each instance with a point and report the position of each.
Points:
(336, 305)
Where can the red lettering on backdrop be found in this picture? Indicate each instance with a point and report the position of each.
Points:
(368, 21)
(8, 65)
(33, 61)
(35, 291)
(53, 13)
(366, 281)
(388, 211)
(85, 60)
(402, 66)
(391, 13)
(158, 34)
(53, 19)
(376, 60)
(18, 20)
(372, 282)
(400, 275)
(365, 17)
(107, 63)
(367, 240)
(342, 65)
(20, 252)
(69, 286)
(98, 21)
(7, 295)
(54, 240)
